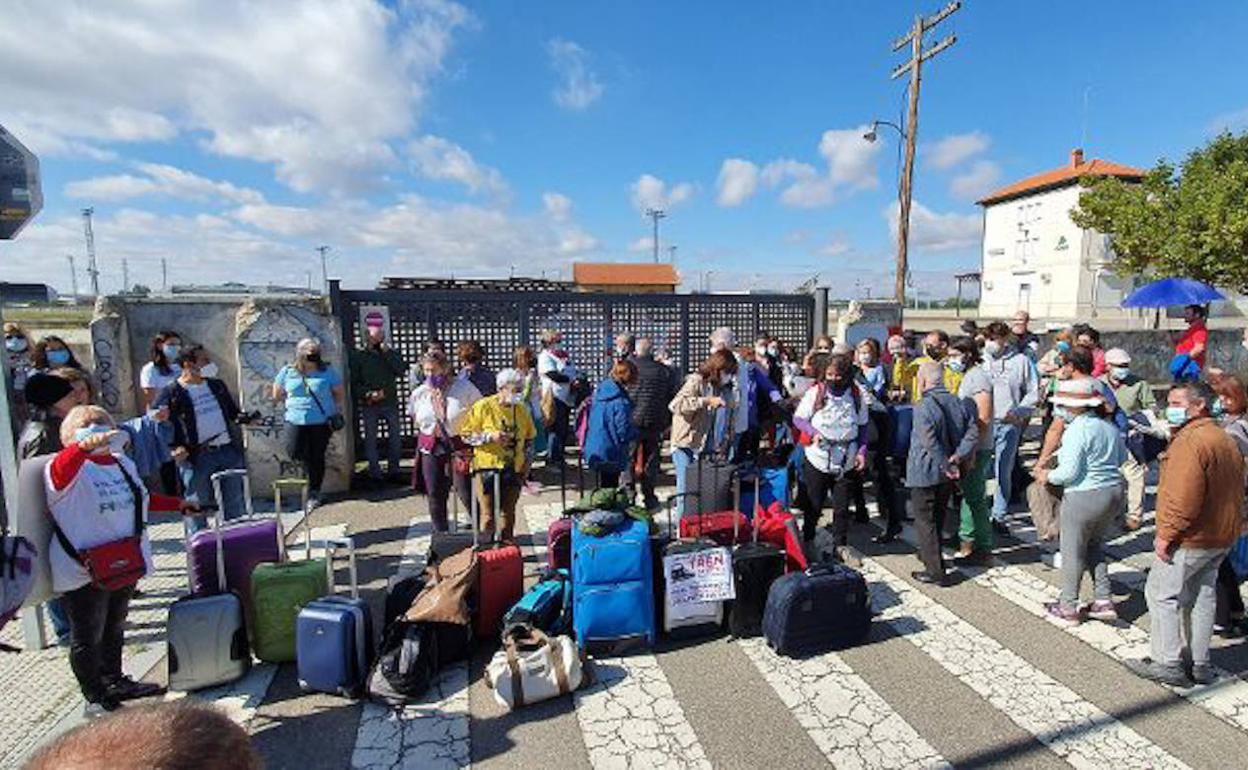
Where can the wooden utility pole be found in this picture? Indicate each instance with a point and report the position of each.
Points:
(914, 66)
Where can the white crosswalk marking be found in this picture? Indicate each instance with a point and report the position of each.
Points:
(849, 722)
(430, 732)
(1074, 729)
(629, 715)
(238, 699)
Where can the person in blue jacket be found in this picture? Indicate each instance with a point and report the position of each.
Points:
(611, 432)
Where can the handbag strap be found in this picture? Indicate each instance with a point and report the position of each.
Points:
(312, 393)
(69, 548)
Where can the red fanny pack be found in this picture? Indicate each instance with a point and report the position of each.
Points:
(117, 563)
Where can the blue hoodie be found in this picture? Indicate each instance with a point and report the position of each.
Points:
(610, 430)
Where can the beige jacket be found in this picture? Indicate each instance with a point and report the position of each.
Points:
(691, 419)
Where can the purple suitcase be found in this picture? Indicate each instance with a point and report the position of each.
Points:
(247, 542)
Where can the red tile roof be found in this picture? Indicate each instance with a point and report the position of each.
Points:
(623, 274)
(1063, 176)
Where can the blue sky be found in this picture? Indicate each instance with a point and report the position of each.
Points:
(428, 138)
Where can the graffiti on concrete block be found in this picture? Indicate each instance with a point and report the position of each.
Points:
(106, 374)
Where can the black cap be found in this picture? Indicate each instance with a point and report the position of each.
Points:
(44, 390)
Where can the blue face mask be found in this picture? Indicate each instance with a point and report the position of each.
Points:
(171, 351)
(86, 431)
(956, 365)
(1176, 415)
(1119, 373)
(58, 357)
(1063, 346)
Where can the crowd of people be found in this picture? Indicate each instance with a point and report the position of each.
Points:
(939, 417)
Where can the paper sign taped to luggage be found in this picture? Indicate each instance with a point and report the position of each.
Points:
(704, 576)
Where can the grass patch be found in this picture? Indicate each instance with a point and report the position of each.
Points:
(45, 316)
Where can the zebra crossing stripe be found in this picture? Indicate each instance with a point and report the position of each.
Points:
(1074, 729)
(629, 715)
(849, 722)
(430, 732)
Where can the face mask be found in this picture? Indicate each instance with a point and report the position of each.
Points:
(1119, 373)
(835, 384)
(896, 352)
(171, 351)
(437, 381)
(208, 370)
(864, 359)
(773, 351)
(58, 357)
(116, 443)
(86, 431)
(622, 353)
(313, 358)
(1063, 346)
(1217, 409)
(760, 351)
(1176, 415)
(15, 344)
(933, 352)
(956, 365)
(992, 348)
(507, 399)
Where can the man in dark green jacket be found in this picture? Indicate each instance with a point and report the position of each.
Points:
(375, 370)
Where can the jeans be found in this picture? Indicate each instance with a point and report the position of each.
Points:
(59, 618)
(819, 486)
(97, 621)
(1181, 604)
(929, 505)
(197, 480)
(559, 432)
(683, 459)
(650, 444)
(1005, 440)
(1086, 515)
(374, 414)
(975, 506)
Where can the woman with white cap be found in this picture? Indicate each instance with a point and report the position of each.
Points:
(1088, 469)
(1134, 395)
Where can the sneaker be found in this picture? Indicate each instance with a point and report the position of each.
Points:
(1000, 528)
(97, 709)
(1233, 631)
(1052, 560)
(125, 688)
(314, 502)
(1064, 615)
(532, 488)
(1147, 668)
(1103, 610)
(848, 556)
(1204, 674)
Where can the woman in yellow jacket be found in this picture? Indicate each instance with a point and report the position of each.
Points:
(498, 427)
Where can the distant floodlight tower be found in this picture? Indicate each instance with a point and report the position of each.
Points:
(93, 269)
(656, 215)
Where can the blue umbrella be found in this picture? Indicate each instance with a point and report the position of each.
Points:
(1169, 292)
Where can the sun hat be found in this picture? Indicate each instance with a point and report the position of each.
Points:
(1078, 393)
(1117, 357)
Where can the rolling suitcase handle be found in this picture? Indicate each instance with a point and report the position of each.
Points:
(302, 486)
(495, 507)
(332, 546)
(250, 511)
(220, 556)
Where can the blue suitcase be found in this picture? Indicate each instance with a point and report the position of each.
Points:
(334, 637)
(826, 607)
(613, 589)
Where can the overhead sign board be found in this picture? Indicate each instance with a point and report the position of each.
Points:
(21, 195)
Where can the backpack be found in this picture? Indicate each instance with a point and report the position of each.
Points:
(17, 574)
(821, 394)
(546, 606)
(406, 664)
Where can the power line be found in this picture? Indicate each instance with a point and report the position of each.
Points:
(93, 269)
(914, 66)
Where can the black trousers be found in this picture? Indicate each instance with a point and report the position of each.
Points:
(307, 444)
(877, 465)
(929, 505)
(819, 486)
(650, 444)
(97, 623)
(1230, 603)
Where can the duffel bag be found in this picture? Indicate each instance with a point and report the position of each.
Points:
(533, 667)
(406, 666)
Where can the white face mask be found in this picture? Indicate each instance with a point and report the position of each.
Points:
(992, 348)
(209, 370)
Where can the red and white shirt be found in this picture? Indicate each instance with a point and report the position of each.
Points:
(93, 504)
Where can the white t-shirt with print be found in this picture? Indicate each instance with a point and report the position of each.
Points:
(210, 424)
(97, 507)
(837, 422)
(151, 377)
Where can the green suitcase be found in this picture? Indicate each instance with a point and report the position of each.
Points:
(278, 592)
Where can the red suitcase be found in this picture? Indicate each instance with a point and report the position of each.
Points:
(500, 579)
(718, 527)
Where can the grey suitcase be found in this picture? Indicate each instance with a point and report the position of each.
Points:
(206, 638)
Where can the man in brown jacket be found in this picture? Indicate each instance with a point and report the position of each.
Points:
(1199, 500)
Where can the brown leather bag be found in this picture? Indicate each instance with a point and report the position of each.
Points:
(1045, 502)
(447, 583)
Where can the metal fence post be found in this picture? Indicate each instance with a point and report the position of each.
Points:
(820, 321)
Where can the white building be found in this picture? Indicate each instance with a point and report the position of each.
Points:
(1036, 259)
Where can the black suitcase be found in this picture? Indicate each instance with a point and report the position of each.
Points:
(826, 607)
(709, 485)
(755, 566)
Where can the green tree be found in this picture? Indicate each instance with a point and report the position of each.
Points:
(1191, 223)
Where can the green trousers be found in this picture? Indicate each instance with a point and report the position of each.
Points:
(976, 505)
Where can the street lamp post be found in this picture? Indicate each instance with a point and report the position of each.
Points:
(903, 213)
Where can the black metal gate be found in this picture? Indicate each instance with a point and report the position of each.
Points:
(679, 324)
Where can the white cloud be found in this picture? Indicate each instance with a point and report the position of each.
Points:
(851, 159)
(954, 149)
(931, 231)
(318, 89)
(558, 206)
(977, 181)
(835, 247)
(578, 85)
(437, 158)
(738, 179)
(805, 186)
(650, 192)
(159, 180)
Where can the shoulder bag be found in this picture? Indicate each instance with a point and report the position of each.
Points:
(336, 421)
(116, 564)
